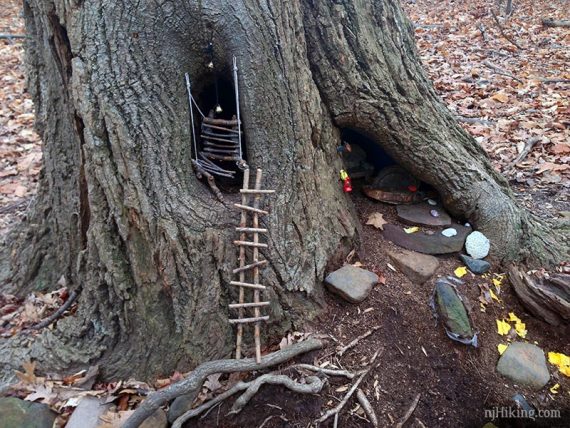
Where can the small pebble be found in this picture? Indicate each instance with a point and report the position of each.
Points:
(467, 224)
(434, 213)
(449, 232)
(432, 202)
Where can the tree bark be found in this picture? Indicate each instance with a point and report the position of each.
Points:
(122, 216)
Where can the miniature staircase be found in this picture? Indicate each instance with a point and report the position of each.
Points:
(250, 268)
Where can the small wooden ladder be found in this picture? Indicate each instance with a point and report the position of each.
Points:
(250, 268)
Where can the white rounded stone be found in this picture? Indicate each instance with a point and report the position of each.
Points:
(449, 232)
(477, 245)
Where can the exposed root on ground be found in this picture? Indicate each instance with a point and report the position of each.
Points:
(195, 380)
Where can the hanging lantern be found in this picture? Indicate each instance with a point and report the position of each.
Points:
(218, 108)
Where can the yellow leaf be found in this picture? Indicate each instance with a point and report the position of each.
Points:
(558, 359)
(565, 371)
(555, 388)
(497, 282)
(411, 229)
(494, 296)
(502, 348)
(503, 327)
(520, 328)
(513, 317)
(460, 272)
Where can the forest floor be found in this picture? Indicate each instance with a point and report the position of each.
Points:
(509, 82)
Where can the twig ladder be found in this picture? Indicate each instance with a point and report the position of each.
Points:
(250, 268)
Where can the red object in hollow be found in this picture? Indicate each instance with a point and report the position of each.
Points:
(412, 188)
(347, 187)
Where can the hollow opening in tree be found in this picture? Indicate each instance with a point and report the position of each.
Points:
(221, 143)
(362, 156)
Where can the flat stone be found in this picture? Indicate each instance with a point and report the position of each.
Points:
(179, 406)
(351, 283)
(87, 412)
(418, 267)
(16, 413)
(421, 214)
(453, 314)
(427, 244)
(524, 364)
(478, 267)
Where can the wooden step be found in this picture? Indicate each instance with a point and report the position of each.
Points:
(250, 244)
(251, 230)
(248, 208)
(224, 122)
(248, 285)
(260, 191)
(248, 320)
(250, 266)
(219, 128)
(248, 305)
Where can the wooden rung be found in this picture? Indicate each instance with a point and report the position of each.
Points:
(248, 305)
(219, 128)
(250, 244)
(224, 122)
(248, 320)
(223, 158)
(223, 140)
(248, 208)
(250, 266)
(251, 230)
(256, 191)
(248, 285)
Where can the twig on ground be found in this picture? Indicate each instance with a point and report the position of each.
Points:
(502, 30)
(352, 344)
(267, 419)
(499, 70)
(474, 120)
(12, 36)
(194, 381)
(72, 297)
(362, 374)
(404, 419)
(549, 22)
(554, 80)
(367, 407)
(525, 151)
(419, 423)
(330, 372)
(313, 385)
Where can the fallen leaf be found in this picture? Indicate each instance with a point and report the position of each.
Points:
(555, 388)
(27, 376)
(411, 229)
(503, 327)
(377, 220)
(502, 348)
(500, 97)
(460, 272)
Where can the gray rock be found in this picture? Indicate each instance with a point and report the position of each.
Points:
(418, 267)
(16, 413)
(449, 232)
(179, 406)
(478, 267)
(351, 283)
(477, 245)
(453, 314)
(524, 364)
(156, 420)
(87, 412)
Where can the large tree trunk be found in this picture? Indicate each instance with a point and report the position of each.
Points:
(123, 217)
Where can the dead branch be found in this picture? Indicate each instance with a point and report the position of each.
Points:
(474, 120)
(329, 372)
(201, 172)
(502, 30)
(72, 297)
(524, 153)
(194, 381)
(549, 22)
(500, 71)
(313, 385)
(554, 80)
(352, 344)
(363, 400)
(362, 374)
(404, 419)
(12, 36)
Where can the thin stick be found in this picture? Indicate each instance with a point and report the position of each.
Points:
(242, 223)
(363, 400)
(402, 421)
(336, 410)
(529, 145)
(500, 71)
(250, 320)
(352, 344)
(253, 210)
(257, 332)
(247, 305)
(330, 372)
(248, 285)
(251, 229)
(72, 297)
(502, 30)
(251, 244)
(261, 191)
(250, 266)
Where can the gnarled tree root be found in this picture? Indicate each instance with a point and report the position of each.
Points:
(194, 381)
